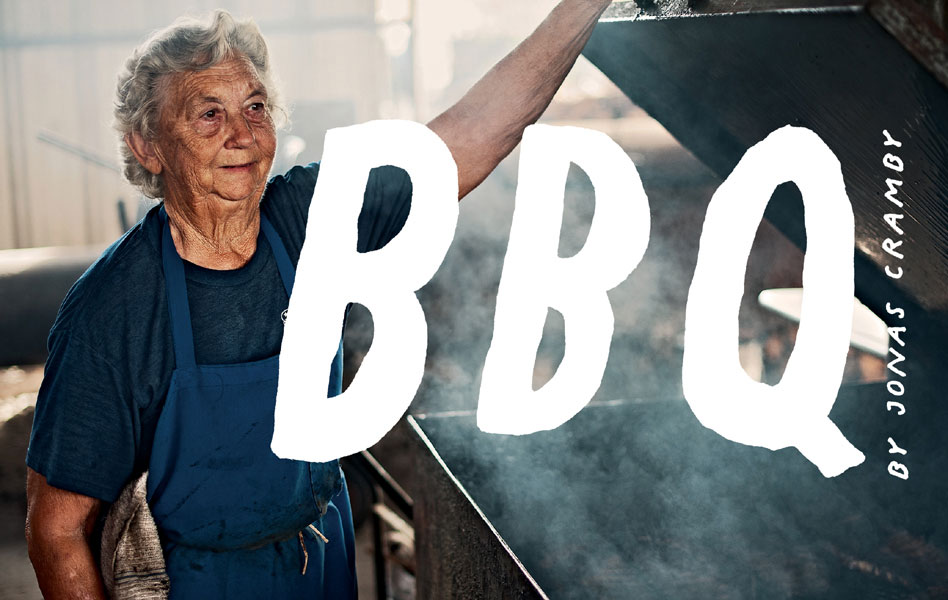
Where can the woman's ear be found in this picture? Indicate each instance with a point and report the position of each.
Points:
(144, 152)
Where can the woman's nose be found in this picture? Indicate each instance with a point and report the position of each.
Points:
(241, 134)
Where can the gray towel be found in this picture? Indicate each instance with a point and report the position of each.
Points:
(133, 566)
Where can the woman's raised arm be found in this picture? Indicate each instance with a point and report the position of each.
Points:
(488, 122)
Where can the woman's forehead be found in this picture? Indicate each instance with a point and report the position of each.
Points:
(233, 76)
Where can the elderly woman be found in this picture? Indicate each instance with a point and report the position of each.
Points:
(164, 356)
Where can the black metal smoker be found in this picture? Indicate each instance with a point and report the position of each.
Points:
(634, 498)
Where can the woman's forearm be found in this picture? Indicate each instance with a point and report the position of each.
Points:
(66, 569)
(59, 524)
(488, 122)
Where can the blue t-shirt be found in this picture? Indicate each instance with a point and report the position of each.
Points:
(110, 348)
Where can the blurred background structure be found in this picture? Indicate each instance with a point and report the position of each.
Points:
(62, 200)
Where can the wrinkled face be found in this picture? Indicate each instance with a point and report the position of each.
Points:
(216, 138)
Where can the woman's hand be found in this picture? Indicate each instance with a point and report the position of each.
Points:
(58, 526)
(488, 122)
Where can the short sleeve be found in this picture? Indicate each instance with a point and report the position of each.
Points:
(385, 207)
(84, 429)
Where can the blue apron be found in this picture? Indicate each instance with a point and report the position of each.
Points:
(234, 519)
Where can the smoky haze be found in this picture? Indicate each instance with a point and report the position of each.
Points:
(633, 498)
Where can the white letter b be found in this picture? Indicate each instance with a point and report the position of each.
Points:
(535, 278)
(331, 273)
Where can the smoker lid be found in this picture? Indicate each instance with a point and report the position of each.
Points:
(720, 76)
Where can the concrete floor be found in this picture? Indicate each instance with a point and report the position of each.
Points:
(16, 573)
(18, 387)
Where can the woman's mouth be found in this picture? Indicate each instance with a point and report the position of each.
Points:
(238, 168)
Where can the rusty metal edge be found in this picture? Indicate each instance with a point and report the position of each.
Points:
(629, 10)
(917, 31)
(914, 27)
(436, 456)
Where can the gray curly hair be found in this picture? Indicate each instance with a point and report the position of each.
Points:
(188, 44)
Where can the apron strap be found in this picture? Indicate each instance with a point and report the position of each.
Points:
(287, 270)
(181, 332)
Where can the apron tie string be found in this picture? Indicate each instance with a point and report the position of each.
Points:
(318, 533)
(303, 545)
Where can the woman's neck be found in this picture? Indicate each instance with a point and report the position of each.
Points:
(218, 235)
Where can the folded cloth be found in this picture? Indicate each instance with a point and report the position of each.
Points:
(132, 563)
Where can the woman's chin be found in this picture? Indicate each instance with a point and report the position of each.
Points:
(240, 186)
(240, 193)
(234, 200)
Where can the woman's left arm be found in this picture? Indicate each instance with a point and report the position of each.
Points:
(488, 122)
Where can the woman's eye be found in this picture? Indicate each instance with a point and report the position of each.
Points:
(210, 114)
(257, 110)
